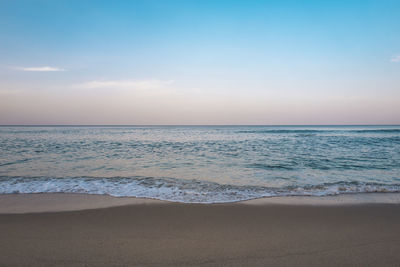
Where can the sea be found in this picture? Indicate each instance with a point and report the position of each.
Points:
(200, 164)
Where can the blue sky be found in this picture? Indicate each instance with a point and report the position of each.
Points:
(199, 62)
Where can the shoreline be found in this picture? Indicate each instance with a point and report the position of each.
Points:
(59, 202)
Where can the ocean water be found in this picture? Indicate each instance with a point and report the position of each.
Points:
(205, 164)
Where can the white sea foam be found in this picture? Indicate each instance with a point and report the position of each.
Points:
(177, 190)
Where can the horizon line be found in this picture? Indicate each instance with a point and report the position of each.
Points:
(176, 125)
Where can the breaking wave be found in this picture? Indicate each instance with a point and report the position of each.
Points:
(178, 190)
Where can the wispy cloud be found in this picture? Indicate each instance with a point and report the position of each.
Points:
(125, 84)
(395, 59)
(44, 68)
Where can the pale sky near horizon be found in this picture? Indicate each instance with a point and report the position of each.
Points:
(199, 62)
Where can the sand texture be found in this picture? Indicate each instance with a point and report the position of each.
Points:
(171, 234)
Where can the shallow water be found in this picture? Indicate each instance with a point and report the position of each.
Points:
(200, 163)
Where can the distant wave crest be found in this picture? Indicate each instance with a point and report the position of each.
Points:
(308, 131)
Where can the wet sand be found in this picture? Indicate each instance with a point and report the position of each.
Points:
(152, 233)
(53, 202)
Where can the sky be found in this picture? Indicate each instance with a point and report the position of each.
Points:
(199, 62)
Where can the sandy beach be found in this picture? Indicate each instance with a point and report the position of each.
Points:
(128, 231)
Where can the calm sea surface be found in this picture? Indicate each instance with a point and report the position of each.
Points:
(200, 163)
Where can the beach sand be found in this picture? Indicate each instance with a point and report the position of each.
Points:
(128, 231)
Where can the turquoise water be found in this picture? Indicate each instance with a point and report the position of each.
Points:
(200, 163)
